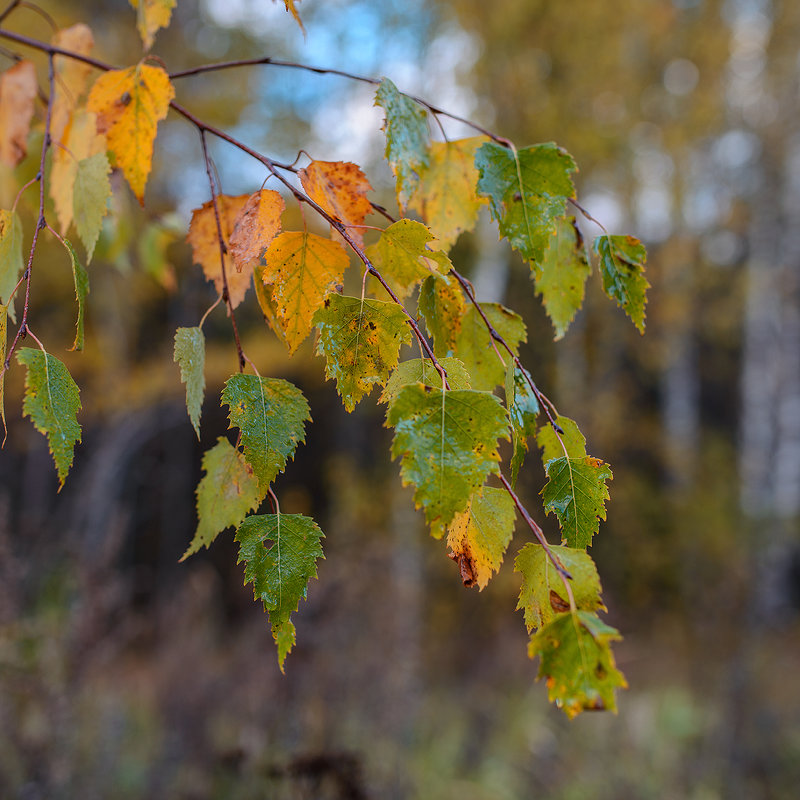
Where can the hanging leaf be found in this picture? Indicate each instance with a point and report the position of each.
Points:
(280, 573)
(52, 401)
(527, 192)
(402, 256)
(11, 263)
(204, 238)
(523, 408)
(255, 226)
(478, 537)
(271, 415)
(361, 341)
(301, 268)
(543, 595)
(340, 188)
(570, 443)
(576, 493)
(190, 356)
(226, 494)
(18, 89)
(442, 305)
(151, 16)
(79, 140)
(484, 359)
(266, 301)
(622, 267)
(71, 75)
(406, 138)
(292, 9)
(446, 195)
(421, 370)
(576, 660)
(90, 203)
(448, 445)
(561, 277)
(81, 281)
(129, 104)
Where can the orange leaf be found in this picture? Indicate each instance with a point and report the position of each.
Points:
(18, 90)
(293, 11)
(340, 187)
(71, 76)
(255, 227)
(204, 239)
(301, 268)
(129, 103)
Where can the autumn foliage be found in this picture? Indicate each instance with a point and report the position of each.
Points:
(450, 407)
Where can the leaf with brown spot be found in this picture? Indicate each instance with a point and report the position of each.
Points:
(18, 89)
(71, 75)
(300, 269)
(129, 103)
(204, 239)
(479, 536)
(255, 227)
(340, 187)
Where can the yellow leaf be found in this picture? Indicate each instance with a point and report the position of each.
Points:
(204, 239)
(129, 104)
(79, 140)
(151, 16)
(255, 227)
(340, 187)
(290, 7)
(71, 76)
(301, 269)
(18, 89)
(446, 198)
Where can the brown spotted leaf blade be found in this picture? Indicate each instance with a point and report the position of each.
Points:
(300, 269)
(71, 75)
(151, 16)
(204, 238)
(256, 225)
(129, 104)
(18, 89)
(577, 662)
(340, 188)
(448, 445)
(446, 197)
(442, 305)
(280, 573)
(622, 260)
(543, 595)
(478, 537)
(361, 341)
(226, 494)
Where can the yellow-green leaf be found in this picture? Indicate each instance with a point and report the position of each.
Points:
(90, 199)
(11, 263)
(442, 305)
(151, 16)
(81, 280)
(190, 356)
(422, 370)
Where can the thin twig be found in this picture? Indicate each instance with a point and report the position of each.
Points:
(9, 8)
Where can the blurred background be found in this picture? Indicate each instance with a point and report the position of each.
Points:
(125, 674)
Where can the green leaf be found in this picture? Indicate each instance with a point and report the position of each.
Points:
(225, 495)
(90, 199)
(576, 493)
(400, 255)
(527, 192)
(622, 267)
(476, 348)
(551, 442)
(576, 660)
(421, 370)
(81, 280)
(442, 305)
(543, 596)
(271, 415)
(11, 263)
(561, 277)
(361, 341)
(523, 408)
(407, 146)
(190, 356)
(448, 445)
(478, 537)
(280, 573)
(52, 401)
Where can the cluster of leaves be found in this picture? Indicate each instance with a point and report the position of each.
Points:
(449, 408)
